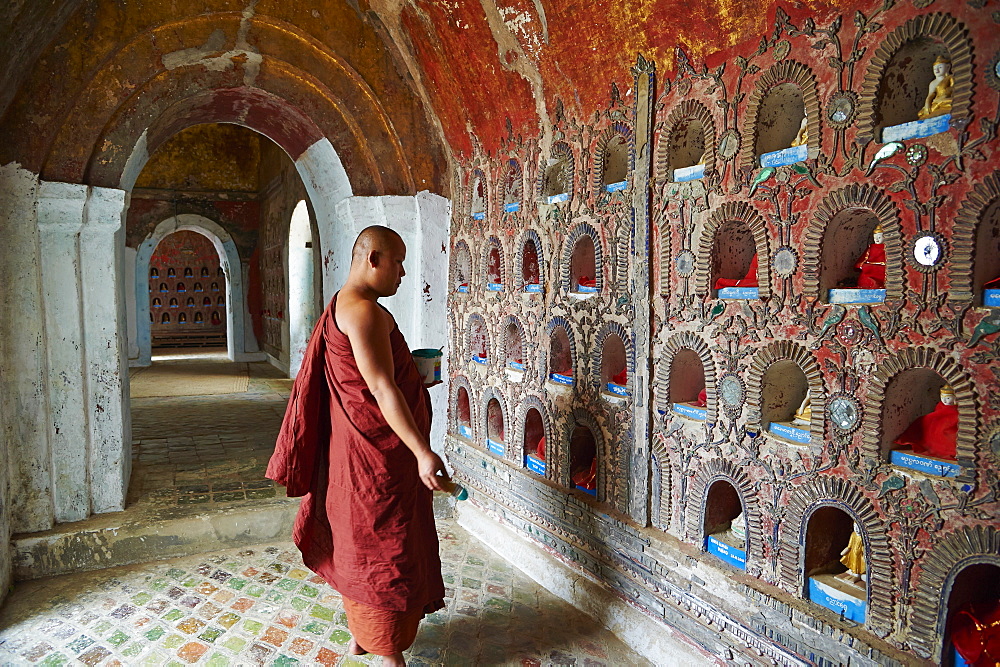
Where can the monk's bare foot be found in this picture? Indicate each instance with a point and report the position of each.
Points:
(355, 649)
(394, 660)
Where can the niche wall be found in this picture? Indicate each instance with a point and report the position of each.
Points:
(184, 308)
(788, 406)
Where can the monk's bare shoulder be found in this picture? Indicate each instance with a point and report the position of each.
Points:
(360, 318)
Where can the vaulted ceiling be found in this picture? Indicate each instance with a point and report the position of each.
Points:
(395, 85)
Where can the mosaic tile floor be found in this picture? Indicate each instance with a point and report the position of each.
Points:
(261, 606)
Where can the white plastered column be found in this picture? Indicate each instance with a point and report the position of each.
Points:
(420, 305)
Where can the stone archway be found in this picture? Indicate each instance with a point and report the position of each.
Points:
(240, 344)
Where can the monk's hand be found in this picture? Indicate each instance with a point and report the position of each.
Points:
(429, 465)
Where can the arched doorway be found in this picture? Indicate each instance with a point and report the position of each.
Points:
(236, 332)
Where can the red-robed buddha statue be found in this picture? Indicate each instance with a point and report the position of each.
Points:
(935, 433)
(872, 263)
(749, 280)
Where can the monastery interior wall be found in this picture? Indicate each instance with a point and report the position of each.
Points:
(594, 245)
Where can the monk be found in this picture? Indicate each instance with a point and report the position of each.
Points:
(354, 443)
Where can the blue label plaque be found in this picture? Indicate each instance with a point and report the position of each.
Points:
(827, 596)
(788, 431)
(616, 187)
(692, 173)
(512, 207)
(785, 156)
(991, 298)
(479, 216)
(534, 464)
(739, 293)
(585, 289)
(532, 287)
(592, 492)
(516, 365)
(479, 360)
(690, 411)
(617, 389)
(726, 552)
(495, 446)
(561, 197)
(916, 129)
(856, 296)
(559, 378)
(925, 464)
(464, 289)
(494, 287)
(465, 431)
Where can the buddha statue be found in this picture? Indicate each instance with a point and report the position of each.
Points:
(749, 280)
(621, 379)
(975, 632)
(936, 432)
(938, 100)
(992, 284)
(540, 449)
(803, 416)
(853, 558)
(585, 477)
(702, 400)
(802, 136)
(872, 263)
(738, 528)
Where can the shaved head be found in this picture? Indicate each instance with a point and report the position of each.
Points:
(376, 238)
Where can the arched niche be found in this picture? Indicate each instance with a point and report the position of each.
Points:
(204, 272)
(479, 340)
(188, 273)
(684, 371)
(557, 174)
(189, 303)
(534, 440)
(975, 594)
(784, 389)
(513, 186)
(462, 267)
(171, 273)
(584, 463)
(724, 524)
(165, 318)
(894, 400)
(614, 157)
(687, 146)
(730, 239)
(829, 582)
(478, 195)
(461, 408)
(840, 233)
(530, 261)
(199, 318)
(493, 265)
(782, 98)
(495, 423)
(614, 365)
(182, 318)
(975, 259)
(796, 561)
(582, 270)
(514, 345)
(154, 273)
(962, 567)
(561, 353)
(900, 71)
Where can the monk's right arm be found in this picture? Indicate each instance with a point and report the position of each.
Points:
(368, 329)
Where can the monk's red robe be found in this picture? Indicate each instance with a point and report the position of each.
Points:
(872, 265)
(935, 433)
(366, 522)
(749, 280)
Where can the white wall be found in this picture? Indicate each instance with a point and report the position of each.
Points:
(422, 316)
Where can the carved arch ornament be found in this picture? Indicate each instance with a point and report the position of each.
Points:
(478, 174)
(490, 353)
(786, 350)
(696, 344)
(569, 245)
(661, 511)
(488, 394)
(748, 215)
(550, 329)
(597, 355)
(507, 322)
(484, 262)
(530, 235)
(943, 28)
(560, 150)
(952, 554)
(457, 382)
(786, 71)
(866, 197)
(527, 403)
(834, 492)
(723, 470)
(461, 252)
(582, 417)
(963, 239)
(618, 129)
(686, 110)
(947, 368)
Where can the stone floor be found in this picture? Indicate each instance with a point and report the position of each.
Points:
(260, 605)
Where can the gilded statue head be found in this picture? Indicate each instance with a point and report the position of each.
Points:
(942, 66)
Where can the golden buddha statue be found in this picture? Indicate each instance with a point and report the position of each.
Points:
(938, 100)
(853, 558)
(802, 137)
